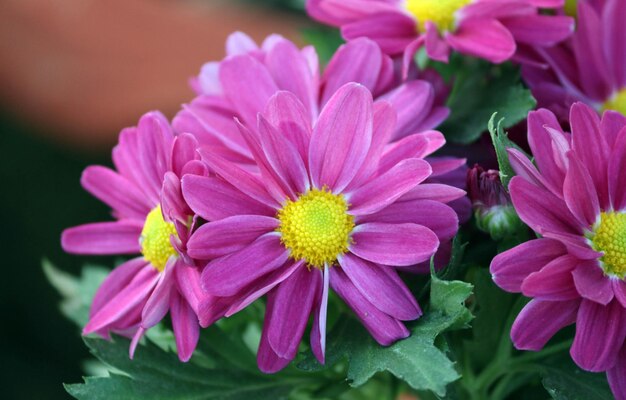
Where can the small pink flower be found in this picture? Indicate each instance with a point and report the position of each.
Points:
(334, 206)
(153, 220)
(575, 273)
(588, 67)
(483, 28)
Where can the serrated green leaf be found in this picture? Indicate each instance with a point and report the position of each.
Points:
(501, 143)
(565, 381)
(158, 375)
(479, 90)
(416, 360)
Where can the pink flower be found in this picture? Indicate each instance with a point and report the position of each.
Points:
(483, 28)
(153, 220)
(334, 206)
(589, 67)
(242, 84)
(576, 271)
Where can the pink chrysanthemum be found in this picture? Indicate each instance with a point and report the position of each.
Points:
(334, 206)
(576, 271)
(153, 220)
(242, 84)
(483, 28)
(589, 67)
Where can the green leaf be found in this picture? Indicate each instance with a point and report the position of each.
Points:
(158, 375)
(416, 360)
(479, 90)
(501, 143)
(565, 381)
(77, 292)
(325, 40)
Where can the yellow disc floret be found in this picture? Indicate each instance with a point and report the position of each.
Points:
(316, 227)
(609, 237)
(440, 12)
(617, 102)
(155, 239)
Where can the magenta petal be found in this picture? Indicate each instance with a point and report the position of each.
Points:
(542, 30)
(509, 269)
(117, 280)
(185, 326)
(183, 150)
(381, 286)
(484, 38)
(413, 101)
(434, 191)
(158, 303)
(155, 141)
(600, 332)
(173, 205)
(524, 168)
(318, 329)
(617, 375)
(267, 359)
(225, 236)
(591, 146)
(384, 328)
(418, 145)
(388, 187)
(540, 143)
(438, 217)
(553, 282)
(579, 192)
(436, 47)
(188, 284)
(341, 138)
(540, 320)
(617, 172)
(392, 31)
(615, 37)
(102, 238)
(540, 209)
(293, 303)
(247, 84)
(117, 191)
(619, 289)
(394, 244)
(134, 293)
(214, 199)
(592, 284)
(228, 275)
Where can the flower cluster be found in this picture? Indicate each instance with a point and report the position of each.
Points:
(290, 181)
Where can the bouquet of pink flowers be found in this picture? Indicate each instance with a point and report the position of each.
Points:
(329, 195)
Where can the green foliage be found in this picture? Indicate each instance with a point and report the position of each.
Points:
(501, 143)
(416, 360)
(325, 40)
(479, 90)
(564, 381)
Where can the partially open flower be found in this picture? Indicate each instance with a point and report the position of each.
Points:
(493, 210)
(154, 222)
(575, 273)
(334, 206)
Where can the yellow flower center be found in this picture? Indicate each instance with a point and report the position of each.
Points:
(617, 102)
(440, 12)
(316, 227)
(609, 237)
(155, 239)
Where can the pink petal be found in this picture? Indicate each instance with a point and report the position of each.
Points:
(509, 269)
(392, 31)
(117, 280)
(579, 192)
(418, 145)
(553, 282)
(615, 36)
(214, 199)
(183, 150)
(384, 328)
(293, 302)
(542, 30)
(600, 332)
(185, 326)
(341, 138)
(318, 329)
(228, 235)
(269, 362)
(540, 209)
(436, 46)
(592, 284)
(228, 275)
(434, 191)
(381, 286)
(388, 187)
(540, 143)
(155, 143)
(484, 38)
(617, 374)
(591, 146)
(619, 289)
(611, 124)
(540, 320)
(394, 244)
(158, 303)
(617, 172)
(102, 238)
(117, 191)
(240, 43)
(413, 101)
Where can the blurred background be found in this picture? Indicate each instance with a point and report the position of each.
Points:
(72, 74)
